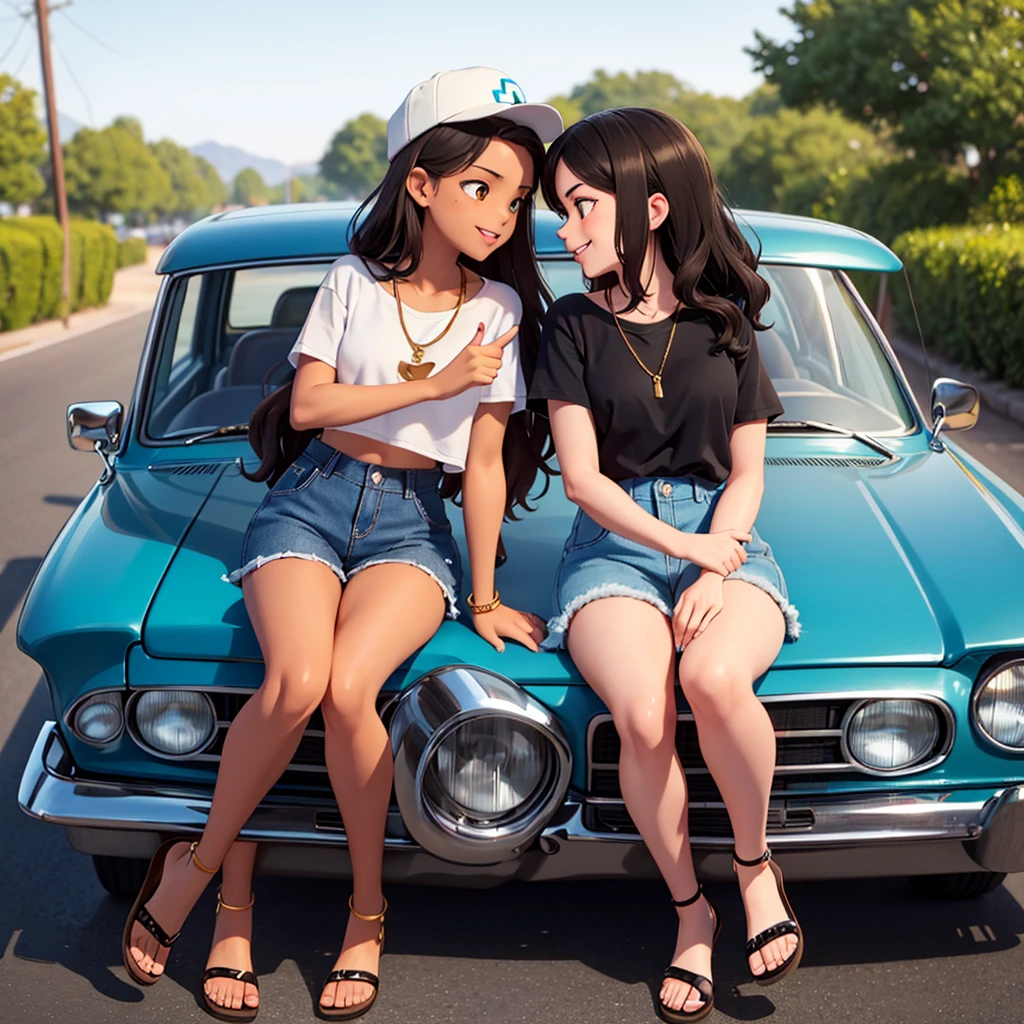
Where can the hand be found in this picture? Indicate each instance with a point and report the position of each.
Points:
(475, 365)
(698, 604)
(527, 628)
(721, 552)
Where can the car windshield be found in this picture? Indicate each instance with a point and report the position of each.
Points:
(820, 352)
(227, 334)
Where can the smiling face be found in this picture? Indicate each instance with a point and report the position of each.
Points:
(476, 208)
(589, 229)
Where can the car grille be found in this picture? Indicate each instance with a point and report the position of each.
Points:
(808, 755)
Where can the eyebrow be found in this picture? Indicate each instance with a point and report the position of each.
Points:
(573, 189)
(500, 177)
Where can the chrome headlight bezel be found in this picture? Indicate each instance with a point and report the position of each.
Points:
(115, 697)
(947, 731)
(131, 723)
(988, 673)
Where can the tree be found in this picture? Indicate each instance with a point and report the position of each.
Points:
(942, 75)
(250, 189)
(113, 170)
(357, 158)
(189, 194)
(216, 191)
(22, 144)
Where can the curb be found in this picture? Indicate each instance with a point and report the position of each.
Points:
(999, 397)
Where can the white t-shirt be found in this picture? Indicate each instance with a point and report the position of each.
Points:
(353, 326)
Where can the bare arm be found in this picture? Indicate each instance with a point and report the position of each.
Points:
(572, 427)
(738, 506)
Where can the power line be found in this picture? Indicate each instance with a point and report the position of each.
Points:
(74, 78)
(21, 63)
(94, 38)
(17, 36)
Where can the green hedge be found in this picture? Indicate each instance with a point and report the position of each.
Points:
(969, 288)
(131, 251)
(31, 256)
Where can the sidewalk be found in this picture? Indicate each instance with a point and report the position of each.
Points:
(134, 290)
(995, 395)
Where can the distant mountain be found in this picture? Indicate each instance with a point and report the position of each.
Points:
(229, 160)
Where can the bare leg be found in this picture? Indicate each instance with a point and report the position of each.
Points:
(232, 931)
(293, 605)
(624, 649)
(387, 612)
(716, 672)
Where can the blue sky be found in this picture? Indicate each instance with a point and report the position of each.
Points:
(279, 77)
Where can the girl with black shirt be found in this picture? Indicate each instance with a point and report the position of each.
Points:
(659, 406)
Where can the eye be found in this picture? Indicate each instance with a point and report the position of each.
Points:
(515, 204)
(476, 189)
(584, 206)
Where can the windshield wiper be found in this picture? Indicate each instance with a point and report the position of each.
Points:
(234, 428)
(831, 428)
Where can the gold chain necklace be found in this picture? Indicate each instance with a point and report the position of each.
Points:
(417, 369)
(655, 377)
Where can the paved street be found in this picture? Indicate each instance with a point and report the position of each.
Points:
(572, 953)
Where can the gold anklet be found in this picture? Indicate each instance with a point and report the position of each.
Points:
(221, 905)
(371, 917)
(198, 863)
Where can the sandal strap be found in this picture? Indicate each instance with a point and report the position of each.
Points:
(229, 972)
(150, 923)
(693, 899)
(698, 981)
(776, 931)
(763, 859)
(367, 976)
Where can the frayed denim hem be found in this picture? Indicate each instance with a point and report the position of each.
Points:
(451, 613)
(558, 626)
(789, 613)
(261, 560)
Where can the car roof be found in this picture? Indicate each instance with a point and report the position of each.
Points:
(310, 230)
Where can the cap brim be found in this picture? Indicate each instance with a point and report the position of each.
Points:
(541, 117)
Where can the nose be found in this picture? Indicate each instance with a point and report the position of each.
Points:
(562, 230)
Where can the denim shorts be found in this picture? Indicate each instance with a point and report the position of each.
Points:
(349, 515)
(597, 563)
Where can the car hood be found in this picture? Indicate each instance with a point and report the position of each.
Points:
(909, 563)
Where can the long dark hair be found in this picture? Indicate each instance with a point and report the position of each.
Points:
(634, 152)
(387, 233)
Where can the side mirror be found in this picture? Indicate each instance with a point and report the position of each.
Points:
(96, 427)
(955, 406)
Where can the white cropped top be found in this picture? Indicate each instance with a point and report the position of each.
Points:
(353, 326)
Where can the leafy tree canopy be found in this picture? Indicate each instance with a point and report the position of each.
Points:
(357, 158)
(22, 144)
(250, 188)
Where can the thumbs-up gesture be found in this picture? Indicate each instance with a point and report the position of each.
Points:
(475, 365)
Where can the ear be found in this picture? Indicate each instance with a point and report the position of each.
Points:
(419, 186)
(657, 210)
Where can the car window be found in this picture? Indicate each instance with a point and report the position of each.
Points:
(256, 292)
(185, 329)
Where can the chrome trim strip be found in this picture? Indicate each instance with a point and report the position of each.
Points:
(993, 668)
(148, 347)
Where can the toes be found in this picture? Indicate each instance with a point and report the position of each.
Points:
(252, 995)
(327, 996)
(236, 997)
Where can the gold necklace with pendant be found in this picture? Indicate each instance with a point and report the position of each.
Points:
(417, 369)
(659, 392)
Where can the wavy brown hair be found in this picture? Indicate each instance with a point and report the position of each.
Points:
(634, 152)
(387, 233)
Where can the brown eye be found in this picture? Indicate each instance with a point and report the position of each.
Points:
(476, 189)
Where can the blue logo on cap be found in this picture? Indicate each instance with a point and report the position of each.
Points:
(509, 92)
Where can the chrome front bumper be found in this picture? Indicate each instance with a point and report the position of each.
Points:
(852, 837)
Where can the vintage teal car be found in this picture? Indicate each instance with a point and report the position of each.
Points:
(899, 713)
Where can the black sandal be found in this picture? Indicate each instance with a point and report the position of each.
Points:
(703, 985)
(351, 1012)
(139, 913)
(775, 931)
(243, 1013)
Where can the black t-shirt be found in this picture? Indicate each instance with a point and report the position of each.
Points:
(584, 360)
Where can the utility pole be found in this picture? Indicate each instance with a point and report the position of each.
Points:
(56, 154)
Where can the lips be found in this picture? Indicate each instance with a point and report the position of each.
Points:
(578, 252)
(489, 236)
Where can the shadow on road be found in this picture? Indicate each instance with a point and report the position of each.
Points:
(14, 580)
(65, 500)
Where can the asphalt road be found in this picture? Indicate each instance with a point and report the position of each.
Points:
(573, 953)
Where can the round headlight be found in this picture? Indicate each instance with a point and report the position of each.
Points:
(174, 722)
(98, 719)
(999, 707)
(489, 766)
(889, 735)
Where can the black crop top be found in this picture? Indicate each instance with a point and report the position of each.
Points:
(584, 360)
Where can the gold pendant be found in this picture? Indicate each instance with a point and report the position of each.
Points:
(658, 393)
(414, 371)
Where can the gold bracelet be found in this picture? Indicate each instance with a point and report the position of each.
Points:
(479, 609)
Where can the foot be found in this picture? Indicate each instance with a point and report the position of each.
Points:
(359, 952)
(181, 885)
(693, 952)
(764, 908)
(232, 947)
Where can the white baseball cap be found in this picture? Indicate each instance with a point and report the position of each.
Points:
(468, 95)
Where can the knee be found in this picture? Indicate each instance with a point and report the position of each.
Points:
(713, 688)
(643, 730)
(347, 701)
(294, 692)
